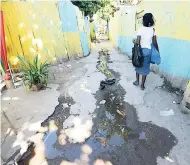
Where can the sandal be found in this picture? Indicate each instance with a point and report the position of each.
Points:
(142, 88)
(136, 83)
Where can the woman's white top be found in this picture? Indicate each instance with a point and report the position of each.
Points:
(146, 34)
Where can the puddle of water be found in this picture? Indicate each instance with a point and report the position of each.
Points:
(116, 141)
(119, 139)
(143, 147)
(50, 140)
(109, 116)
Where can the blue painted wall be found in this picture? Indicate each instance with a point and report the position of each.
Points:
(87, 25)
(84, 42)
(124, 43)
(68, 16)
(175, 54)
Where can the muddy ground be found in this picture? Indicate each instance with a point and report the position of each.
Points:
(116, 134)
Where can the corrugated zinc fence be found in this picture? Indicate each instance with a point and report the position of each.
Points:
(54, 30)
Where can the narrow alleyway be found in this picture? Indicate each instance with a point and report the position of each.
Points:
(119, 125)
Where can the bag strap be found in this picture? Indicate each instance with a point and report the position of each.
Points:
(153, 31)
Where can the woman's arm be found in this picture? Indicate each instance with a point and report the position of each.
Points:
(154, 40)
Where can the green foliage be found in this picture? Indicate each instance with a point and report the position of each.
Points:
(103, 66)
(91, 7)
(103, 51)
(88, 7)
(107, 11)
(34, 73)
(104, 7)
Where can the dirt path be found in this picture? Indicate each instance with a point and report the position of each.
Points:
(118, 125)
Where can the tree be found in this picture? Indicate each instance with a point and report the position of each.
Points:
(130, 2)
(89, 8)
(107, 11)
(92, 7)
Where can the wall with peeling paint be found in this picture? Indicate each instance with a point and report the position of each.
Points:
(172, 28)
(54, 30)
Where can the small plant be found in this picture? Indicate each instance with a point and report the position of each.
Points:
(35, 74)
(103, 67)
(103, 51)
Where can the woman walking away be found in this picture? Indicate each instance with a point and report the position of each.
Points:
(145, 37)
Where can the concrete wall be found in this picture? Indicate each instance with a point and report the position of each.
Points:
(122, 28)
(92, 31)
(53, 29)
(172, 28)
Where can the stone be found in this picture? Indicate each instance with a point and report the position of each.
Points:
(103, 102)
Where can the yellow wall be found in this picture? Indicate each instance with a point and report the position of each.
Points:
(172, 17)
(92, 31)
(73, 44)
(127, 21)
(39, 28)
(114, 27)
(122, 24)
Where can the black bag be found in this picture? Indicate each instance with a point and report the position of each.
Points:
(137, 58)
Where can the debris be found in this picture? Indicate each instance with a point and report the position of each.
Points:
(103, 141)
(121, 113)
(65, 105)
(103, 102)
(142, 136)
(93, 116)
(69, 66)
(110, 81)
(122, 130)
(174, 102)
(167, 113)
(167, 158)
(103, 51)
(113, 97)
(107, 82)
(102, 86)
(109, 116)
(177, 93)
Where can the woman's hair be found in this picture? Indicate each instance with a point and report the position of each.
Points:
(148, 20)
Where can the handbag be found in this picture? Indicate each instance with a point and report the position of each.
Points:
(137, 58)
(155, 55)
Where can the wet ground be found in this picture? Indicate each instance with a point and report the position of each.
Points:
(111, 133)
